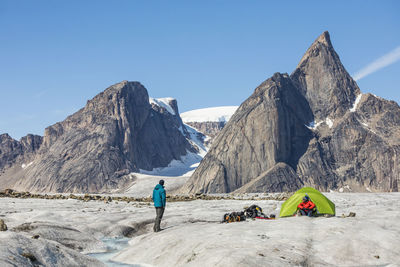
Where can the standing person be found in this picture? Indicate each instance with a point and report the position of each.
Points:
(306, 207)
(159, 198)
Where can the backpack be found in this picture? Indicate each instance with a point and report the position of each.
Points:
(254, 211)
(234, 217)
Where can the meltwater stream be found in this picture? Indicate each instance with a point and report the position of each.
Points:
(114, 246)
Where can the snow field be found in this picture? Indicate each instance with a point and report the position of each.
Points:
(214, 114)
(193, 236)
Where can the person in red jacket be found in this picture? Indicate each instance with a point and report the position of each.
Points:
(306, 207)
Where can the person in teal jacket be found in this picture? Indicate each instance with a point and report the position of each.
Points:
(160, 200)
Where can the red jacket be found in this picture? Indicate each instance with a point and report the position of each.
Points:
(306, 205)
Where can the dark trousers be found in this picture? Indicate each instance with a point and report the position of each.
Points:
(306, 212)
(159, 215)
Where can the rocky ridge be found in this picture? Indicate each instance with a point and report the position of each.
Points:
(312, 128)
(12, 151)
(93, 150)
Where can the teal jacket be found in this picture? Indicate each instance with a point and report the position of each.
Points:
(159, 196)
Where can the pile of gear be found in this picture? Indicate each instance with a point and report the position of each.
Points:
(252, 212)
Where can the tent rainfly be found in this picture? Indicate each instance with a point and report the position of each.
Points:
(322, 203)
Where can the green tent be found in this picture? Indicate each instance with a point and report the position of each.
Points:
(323, 204)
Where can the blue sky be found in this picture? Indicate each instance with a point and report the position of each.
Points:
(55, 55)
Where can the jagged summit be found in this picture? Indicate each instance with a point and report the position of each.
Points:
(325, 38)
(324, 81)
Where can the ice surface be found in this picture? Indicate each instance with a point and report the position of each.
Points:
(193, 236)
(114, 245)
(215, 114)
(370, 238)
(13, 247)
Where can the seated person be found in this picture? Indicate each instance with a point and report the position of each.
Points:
(306, 207)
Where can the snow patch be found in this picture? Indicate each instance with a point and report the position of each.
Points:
(358, 98)
(185, 165)
(329, 122)
(26, 165)
(163, 102)
(214, 114)
(314, 125)
(367, 126)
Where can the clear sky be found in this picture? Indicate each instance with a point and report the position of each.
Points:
(55, 55)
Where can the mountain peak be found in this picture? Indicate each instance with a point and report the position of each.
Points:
(324, 81)
(121, 85)
(324, 38)
(323, 42)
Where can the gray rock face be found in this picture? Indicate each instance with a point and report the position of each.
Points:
(117, 132)
(12, 151)
(208, 128)
(322, 79)
(269, 127)
(305, 130)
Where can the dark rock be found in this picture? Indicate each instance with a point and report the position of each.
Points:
(29, 256)
(3, 226)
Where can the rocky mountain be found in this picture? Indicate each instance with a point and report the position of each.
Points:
(312, 128)
(119, 131)
(208, 128)
(12, 151)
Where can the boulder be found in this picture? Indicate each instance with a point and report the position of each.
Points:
(3, 226)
